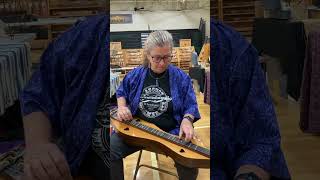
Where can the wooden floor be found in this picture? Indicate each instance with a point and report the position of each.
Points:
(202, 128)
(302, 151)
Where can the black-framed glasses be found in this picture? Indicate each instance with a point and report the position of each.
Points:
(157, 59)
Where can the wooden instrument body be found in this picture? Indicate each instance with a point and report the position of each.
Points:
(137, 137)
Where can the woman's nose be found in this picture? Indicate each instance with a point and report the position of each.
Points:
(161, 63)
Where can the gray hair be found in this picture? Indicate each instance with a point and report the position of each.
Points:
(156, 39)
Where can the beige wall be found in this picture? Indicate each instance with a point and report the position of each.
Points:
(157, 20)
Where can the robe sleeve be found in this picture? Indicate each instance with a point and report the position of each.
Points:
(123, 89)
(45, 90)
(256, 129)
(190, 101)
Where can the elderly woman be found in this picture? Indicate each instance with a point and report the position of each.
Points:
(157, 92)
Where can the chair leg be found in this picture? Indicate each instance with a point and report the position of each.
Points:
(162, 170)
(137, 166)
(151, 167)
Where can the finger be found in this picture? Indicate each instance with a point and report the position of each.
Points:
(196, 137)
(61, 163)
(187, 138)
(180, 133)
(130, 116)
(50, 167)
(38, 171)
(123, 116)
(189, 134)
(119, 116)
(127, 116)
(186, 134)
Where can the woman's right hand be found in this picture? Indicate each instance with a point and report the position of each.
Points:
(45, 162)
(124, 113)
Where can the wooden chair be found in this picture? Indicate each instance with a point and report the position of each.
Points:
(138, 166)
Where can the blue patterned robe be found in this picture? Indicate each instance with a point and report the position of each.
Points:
(70, 84)
(183, 97)
(244, 127)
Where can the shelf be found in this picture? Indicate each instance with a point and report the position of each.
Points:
(245, 28)
(238, 6)
(65, 8)
(239, 14)
(57, 32)
(238, 21)
(69, 16)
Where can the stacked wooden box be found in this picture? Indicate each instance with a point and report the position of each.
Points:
(116, 54)
(133, 57)
(185, 54)
(175, 59)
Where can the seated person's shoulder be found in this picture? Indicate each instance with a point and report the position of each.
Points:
(224, 31)
(93, 23)
(136, 72)
(228, 44)
(179, 73)
(82, 41)
(85, 29)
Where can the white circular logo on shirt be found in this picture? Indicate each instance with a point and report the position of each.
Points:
(153, 101)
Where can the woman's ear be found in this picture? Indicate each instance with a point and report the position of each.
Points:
(149, 58)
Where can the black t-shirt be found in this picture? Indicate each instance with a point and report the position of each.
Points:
(155, 103)
(100, 135)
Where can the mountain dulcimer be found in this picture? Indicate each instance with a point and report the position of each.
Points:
(141, 133)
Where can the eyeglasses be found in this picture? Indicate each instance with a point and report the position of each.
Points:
(157, 59)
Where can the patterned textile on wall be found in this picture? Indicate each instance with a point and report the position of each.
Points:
(11, 162)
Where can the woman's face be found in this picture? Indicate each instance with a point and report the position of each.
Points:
(159, 58)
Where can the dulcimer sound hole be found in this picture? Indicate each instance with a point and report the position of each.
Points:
(126, 129)
(182, 151)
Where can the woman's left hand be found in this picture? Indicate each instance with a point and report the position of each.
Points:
(187, 130)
